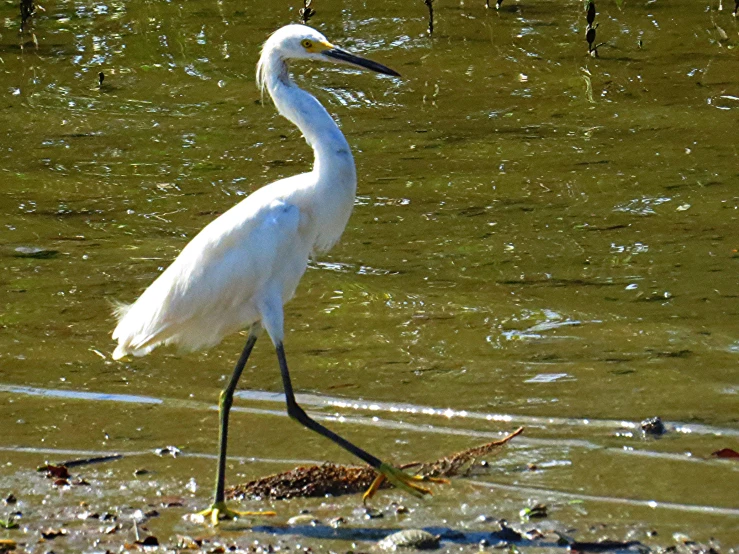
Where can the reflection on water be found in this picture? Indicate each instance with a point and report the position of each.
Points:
(540, 238)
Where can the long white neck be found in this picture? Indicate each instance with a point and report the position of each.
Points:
(331, 150)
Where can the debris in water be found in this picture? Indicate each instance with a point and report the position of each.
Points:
(10, 499)
(101, 78)
(27, 10)
(337, 522)
(35, 252)
(429, 5)
(51, 534)
(306, 12)
(150, 540)
(506, 533)
(61, 475)
(722, 35)
(88, 461)
(304, 519)
(8, 523)
(307, 481)
(590, 32)
(188, 543)
(653, 426)
(536, 511)
(685, 545)
(337, 480)
(7, 545)
(725, 453)
(371, 513)
(410, 538)
(604, 546)
(171, 501)
(590, 15)
(55, 472)
(590, 37)
(111, 529)
(168, 450)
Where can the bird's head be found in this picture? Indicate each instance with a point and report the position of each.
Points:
(303, 42)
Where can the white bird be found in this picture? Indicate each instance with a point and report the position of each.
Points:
(241, 269)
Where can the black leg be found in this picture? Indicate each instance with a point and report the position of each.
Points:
(224, 409)
(297, 413)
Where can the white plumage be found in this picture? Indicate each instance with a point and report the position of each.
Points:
(241, 268)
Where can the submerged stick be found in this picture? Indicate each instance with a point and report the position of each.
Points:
(430, 6)
(27, 10)
(336, 480)
(94, 460)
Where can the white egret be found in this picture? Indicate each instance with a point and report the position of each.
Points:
(239, 271)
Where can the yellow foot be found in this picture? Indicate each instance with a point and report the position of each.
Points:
(402, 480)
(219, 511)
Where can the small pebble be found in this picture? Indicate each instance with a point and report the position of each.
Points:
(168, 451)
(537, 511)
(653, 426)
(337, 522)
(410, 538)
(507, 533)
(303, 519)
(35, 252)
(370, 513)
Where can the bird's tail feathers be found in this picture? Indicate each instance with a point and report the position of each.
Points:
(120, 309)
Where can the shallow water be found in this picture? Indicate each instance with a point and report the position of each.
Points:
(540, 238)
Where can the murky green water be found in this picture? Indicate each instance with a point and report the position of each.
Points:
(538, 234)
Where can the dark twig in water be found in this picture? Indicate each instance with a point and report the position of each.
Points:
(306, 12)
(94, 460)
(430, 6)
(27, 10)
(318, 481)
(590, 33)
(101, 78)
(736, 7)
(590, 13)
(590, 37)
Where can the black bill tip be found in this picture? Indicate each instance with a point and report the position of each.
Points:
(343, 56)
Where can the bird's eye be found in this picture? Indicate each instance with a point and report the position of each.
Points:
(307, 44)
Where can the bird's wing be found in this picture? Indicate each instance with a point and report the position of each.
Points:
(207, 291)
